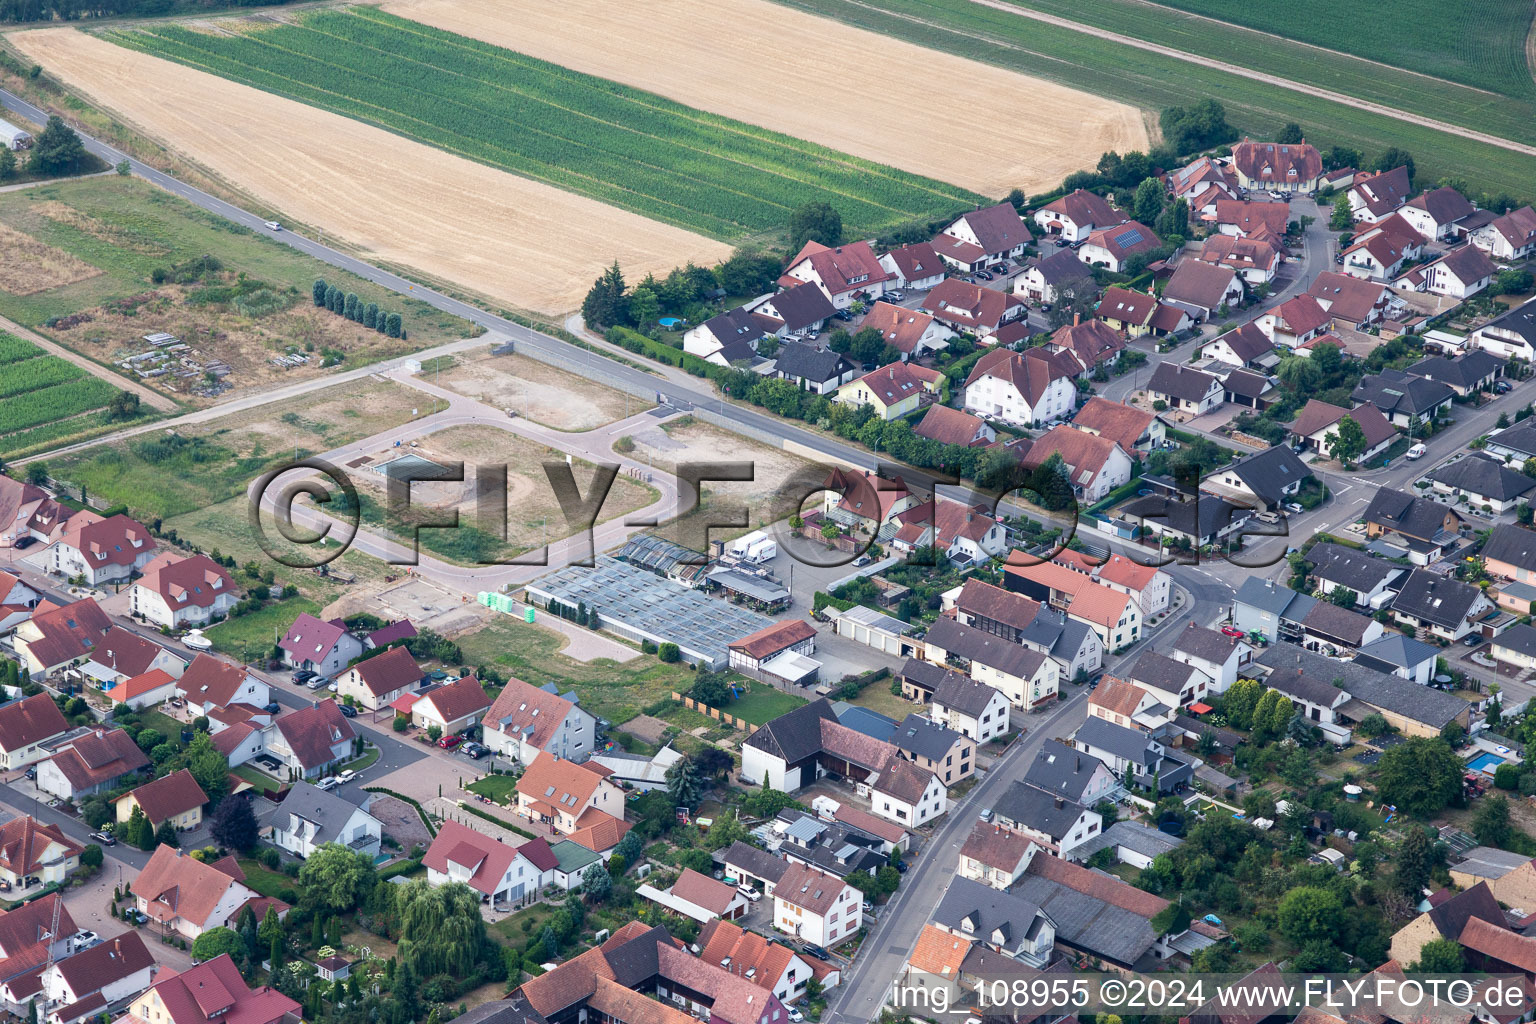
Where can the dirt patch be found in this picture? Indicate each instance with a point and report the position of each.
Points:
(416, 598)
(1019, 131)
(31, 266)
(536, 390)
(402, 202)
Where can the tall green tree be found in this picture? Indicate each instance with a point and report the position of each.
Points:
(336, 877)
(606, 304)
(441, 930)
(57, 150)
(1440, 956)
(208, 766)
(395, 328)
(1414, 862)
(1308, 913)
(1150, 195)
(139, 831)
(320, 290)
(1347, 443)
(165, 835)
(7, 164)
(215, 942)
(1491, 823)
(815, 222)
(1290, 134)
(683, 784)
(1342, 217)
(1419, 776)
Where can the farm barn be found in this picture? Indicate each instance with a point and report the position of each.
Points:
(13, 137)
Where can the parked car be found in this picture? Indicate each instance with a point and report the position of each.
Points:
(475, 750)
(1233, 631)
(329, 782)
(1473, 640)
(896, 293)
(1503, 387)
(843, 315)
(303, 675)
(901, 867)
(32, 772)
(86, 939)
(795, 1015)
(1293, 508)
(449, 742)
(1418, 451)
(750, 893)
(346, 777)
(4, 885)
(317, 683)
(104, 838)
(986, 814)
(869, 908)
(1268, 517)
(819, 952)
(347, 710)
(983, 275)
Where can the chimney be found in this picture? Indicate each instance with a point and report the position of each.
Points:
(1077, 318)
(1060, 803)
(1079, 763)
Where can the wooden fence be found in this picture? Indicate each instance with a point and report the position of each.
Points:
(721, 716)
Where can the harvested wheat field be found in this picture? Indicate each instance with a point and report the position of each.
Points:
(986, 129)
(31, 266)
(524, 243)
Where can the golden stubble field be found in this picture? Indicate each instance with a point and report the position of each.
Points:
(401, 202)
(969, 123)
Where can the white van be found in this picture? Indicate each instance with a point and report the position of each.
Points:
(1418, 451)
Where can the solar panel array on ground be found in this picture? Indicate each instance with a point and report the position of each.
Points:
(628, 595)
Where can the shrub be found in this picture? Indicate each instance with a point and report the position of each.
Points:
(668, 652)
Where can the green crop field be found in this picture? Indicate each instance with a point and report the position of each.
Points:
(1155, 81)
(45, 397)
(1480, 42)
(622, 146)
(1394, 84)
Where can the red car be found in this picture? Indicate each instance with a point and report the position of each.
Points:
(1232, 631)
(449, 742)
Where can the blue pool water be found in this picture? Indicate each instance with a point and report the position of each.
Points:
(1485, 763)
(669, 321)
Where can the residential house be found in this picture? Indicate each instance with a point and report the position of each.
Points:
(1264, 479)
(1421, 529)
(761, 654)
(1122, 702)
(813, 368)
(1113, 615)
(1509, 335)
(970, 308)
(122, 654)
(765, 963)
(210, 683)
(102, 550)
(1126, 311)
(1095, 465)
(1132, 842)
(844, 273)
(1409, 708)
(816, 907)
(57, 636)
(1318, 422)
(311, 740)
(892, 391)
(1097, 915)
(1478, 370)
(500, 872)
(1201, 521)
(453, 708)
(983, 237)
(998, 920)
(1049, 279)
(1482, 481)
(953, 427)
(966, 534)
(1377, 196)
(143, 690)
(865, 501)
(1077, 215)
(1111, 247)
(1246, 388)
(17, 600)
(309, 817)
(1026, 677)
(1089, 344)
(19, 502)
(1174, 682)
(94, 979)
(1515, 646)
(1402, 656)
(1052, 822)
(969, 706)
(1133, 754)
(908, 331)
(1350, 301)
(1132, 429)
(1222, 658)
(728, 337)
(1244, 219)
(94, 762)
(29, 938)
(325, 648)
(175, 592)
(1277, 167)
(1254, 260)
(1201, 183)
(829, 845)
(1203, 289)
(209, 993)
(1379, 250)
(1294, 322)
(995, 856)
(1185, 389)
(185, 897)
(1447, 920)
(1330, 628)
(1436, 214)
(1406, 399)
(1071, 774)
(1510, 236)
(31, 849)
(1440, 606)
(1074, 645)
(1261, 608)
(558, 793)
(1023, 389)
(800, 310)
(176, 798)
(1248, 345)
(916, 267)
(1460, 274)
(992, 609)
(1510, 554)
(908, 793)
(28, 728)
(1369, 580)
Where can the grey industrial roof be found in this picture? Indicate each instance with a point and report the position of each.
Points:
(876, 620)
(972, 908)
(628, 594)
(1434, 598)
(1134, 836)
(657, 554)
(917, 735)
(755, 862)
(1063, 770)
(752, 586)
(1087, 922)
(1038, 810)
(1489, 862)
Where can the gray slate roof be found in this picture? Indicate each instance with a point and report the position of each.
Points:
(993, 651)
(1468, 371)
(1519, 638)
(1337, 623)
(755, 862)
(918, 736)
(1179, 381)
(963, 694)
(1122, 742)
(1434, 598)
(1397, 651)
(326, 810)
(1394, 391)
(1485, 477)
(1512, 544)
(1062, 770)
(1160, 671)
(807, 360)
(1411, 516)
(1061, 636)
(1199, 519)
(1133, 835)
(1266, 473)
(970, 907)
(1206, 644)
(1423, 704)
(1036, 809)
(1355, 569)
(795, 735)
(1087, 922)
(1268, 596)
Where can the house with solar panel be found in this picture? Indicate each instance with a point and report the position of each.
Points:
(1111, 247)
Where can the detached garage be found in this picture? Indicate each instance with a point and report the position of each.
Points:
(873, 629)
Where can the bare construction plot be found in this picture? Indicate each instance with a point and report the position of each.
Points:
(527, 244)
(977, 126)
(536, 390)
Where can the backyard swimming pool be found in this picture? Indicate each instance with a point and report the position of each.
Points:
(1485, 763)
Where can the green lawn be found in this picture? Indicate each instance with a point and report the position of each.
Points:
(256, 778)
(1154, 81)
(633, 149)
(498, 787)
(611, 690)
(763, 703)
(249, 636)
(268, 883)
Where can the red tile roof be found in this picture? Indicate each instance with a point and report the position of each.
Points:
(836, 267)
(1098, 885)
(99, 757)
(126, 652)
(521, 707)
(1085, 454)
(458, 700)
(901, 328)
(173, 885)
(308, 639)
(214, 992)
(1127, 573)
(1127, 306)
(938, 952)
(312, 732)
(747, 951)
(1114, 421)
(969, 306)
(951, 426)
(211, 680)
(168, 796)
(1083, 208)
(393, 670)
(1123, 240)
(146, 682)
(558, 782)
(30, 720)
(66, 631)
(194, 582)
(1201, 284)
(809, 888)
(917, 261)
(598, 830)
(484, 858)
(998, 228)
(977, 597)
(1301, 315)
(703, 891)
(117, 540)
(1031, 373)
(997, 847)
(25, 844)
(770, 640)
(1277, 164)
(1251, 217)
(1348, 298)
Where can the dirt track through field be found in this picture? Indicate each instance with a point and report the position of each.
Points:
(971, 124)
(516, 240)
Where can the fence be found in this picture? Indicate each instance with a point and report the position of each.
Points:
(704, 709)
(1249, 440)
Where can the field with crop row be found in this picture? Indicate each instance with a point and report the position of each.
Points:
(1512, 116)
(1481, 43)
(14, 349)
(1157, 81)
(622, 146)
(35, 374)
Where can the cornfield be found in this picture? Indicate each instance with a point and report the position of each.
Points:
(623, 146)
